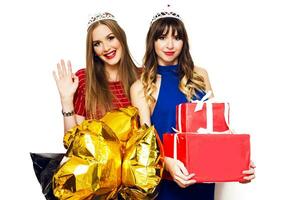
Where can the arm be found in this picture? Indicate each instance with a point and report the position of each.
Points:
(139, 101)
(175, 168)
(179, 172)
(70, 121)
(202, 72)
(67, 84)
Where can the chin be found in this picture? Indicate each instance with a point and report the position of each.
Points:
(114, 62)
(171, 62)
(169, 59)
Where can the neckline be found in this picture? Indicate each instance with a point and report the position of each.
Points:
(114, 82)
(168, 69)
(165, 66)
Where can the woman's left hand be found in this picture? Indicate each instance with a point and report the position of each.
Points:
(250, 174)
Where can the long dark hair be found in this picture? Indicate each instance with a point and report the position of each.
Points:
(189, 80)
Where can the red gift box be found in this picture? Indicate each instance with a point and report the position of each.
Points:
(212, 157)
(209, 117)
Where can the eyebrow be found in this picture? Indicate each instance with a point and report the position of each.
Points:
(110, 34)
(166, 34)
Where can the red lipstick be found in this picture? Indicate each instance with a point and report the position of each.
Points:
(169, 53)
(110, 54)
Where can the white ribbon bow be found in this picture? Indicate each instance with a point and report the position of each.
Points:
(209, 114)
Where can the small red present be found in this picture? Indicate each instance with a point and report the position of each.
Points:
(212, 157)
(203, 116)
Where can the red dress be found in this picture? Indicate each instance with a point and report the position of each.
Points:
(116, 88)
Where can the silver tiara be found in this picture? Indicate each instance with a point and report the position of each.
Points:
(167, 12)
(100, 16)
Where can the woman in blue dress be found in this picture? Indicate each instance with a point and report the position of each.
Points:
(170, 78)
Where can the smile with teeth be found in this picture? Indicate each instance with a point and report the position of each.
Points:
(110, 54)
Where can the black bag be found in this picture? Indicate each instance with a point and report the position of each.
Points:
(45, 165)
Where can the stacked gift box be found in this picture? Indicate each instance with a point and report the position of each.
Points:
(205, 144)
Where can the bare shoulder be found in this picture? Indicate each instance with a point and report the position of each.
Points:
(137, 91)
(201, 71)
(137, 86)
(139, 101)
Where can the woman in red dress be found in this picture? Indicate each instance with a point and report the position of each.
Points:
(104, 84)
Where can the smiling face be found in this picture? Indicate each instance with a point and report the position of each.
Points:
(106, 46)
(167, 47)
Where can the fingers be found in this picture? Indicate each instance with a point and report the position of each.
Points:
(182, 176)
(64, 71)
(55, 76)
(182, 168)
(184, 183)
(76, 80)
(75, 77)
(63, 67)
(249, 178)
(250, 174)
(179, 173)
(182, 172)
(250, 171)
(252, 165)
(245, 181)
(69, 67)
(59, 70)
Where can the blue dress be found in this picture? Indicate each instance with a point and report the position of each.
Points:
(163, 119)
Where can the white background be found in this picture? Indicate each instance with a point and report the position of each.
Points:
(251, 50)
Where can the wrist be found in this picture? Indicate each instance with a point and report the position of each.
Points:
(66, 99)
(67, 103)
(167, 162)
(67, 106)
(67, 113)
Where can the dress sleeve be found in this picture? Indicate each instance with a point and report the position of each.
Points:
(79, 97)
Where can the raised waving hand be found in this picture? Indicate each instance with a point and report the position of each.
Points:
(66, 81)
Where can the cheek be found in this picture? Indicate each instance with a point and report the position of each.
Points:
(157, 47)
(116, 44)
(179, 45)
(120, 50)
(98, 51)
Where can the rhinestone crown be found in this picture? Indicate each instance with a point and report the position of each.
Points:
(100, 16)
(165, 13)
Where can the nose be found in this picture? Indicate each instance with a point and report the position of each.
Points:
(170, 44)
(106, 46)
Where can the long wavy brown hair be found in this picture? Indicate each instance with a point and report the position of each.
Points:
(190, 81)
(98, 98)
